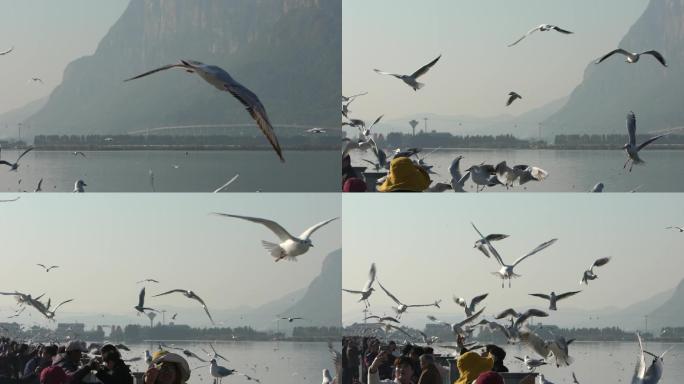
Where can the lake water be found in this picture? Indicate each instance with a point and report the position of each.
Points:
(602, 362)
(276, 362)
(198, 171)
(569, 170)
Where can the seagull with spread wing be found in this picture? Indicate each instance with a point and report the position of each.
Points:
(220, 79)
(633, 57)
(542, 28)
(631, 147)
(553, 298)
(290, 246)
(460, 328)
(481, 244)
(47, 269)
(401, 307)
(367, 288)
(190, 295)
(141, 303)
(507, 270)
(412, 79)
(14, 166)
(469, 307)
(512, 96)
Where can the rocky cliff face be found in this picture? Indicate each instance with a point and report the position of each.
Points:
(286, 51)
(613, 88)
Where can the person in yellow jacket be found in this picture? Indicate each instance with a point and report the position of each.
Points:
(405, 176)
(470, 365)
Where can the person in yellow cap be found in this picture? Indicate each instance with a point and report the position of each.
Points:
(167, 368)
(405, 176)
(470, 365)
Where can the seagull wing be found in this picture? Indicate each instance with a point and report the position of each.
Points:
(471, 318)
(62, 303)
(272, 225)
(561, 30)
(141, 298)
(387, 73)
(224, 186)
(306, 234)
(649, 141)
(453, 169)
(599, 263)
(566, 295)
(6, 163)
(657, 55)
(398, 329)
(424, 69)
(631, 128)
(7, 51)
(29, 149)
(611, 53)
(529, 313)
(42, 266)
(531, 31)
(183, 291)
(489, 245)
(256, 110)
(543, 296)
(164, 68)
(389, 294)
(477, 299)
(532, 252)
(352, 291)
(496, 237)
(371, 278)
(506, 313)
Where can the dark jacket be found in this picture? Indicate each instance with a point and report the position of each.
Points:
(120, 374)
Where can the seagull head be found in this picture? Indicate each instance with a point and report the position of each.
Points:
(308, 243)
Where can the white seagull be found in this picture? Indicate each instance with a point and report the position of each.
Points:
(190, 295)
(316, 130)
(559, 348)
(469, 307)
(220, 79)
(411, 80)
(531, 363)
(589, 273)
(648, 374)
(460, 328)
(457, 180)
(543, 28)
(632, 148)
(553, 298)
(401, 307)
(367, 288)
(78, 186)
(633, 57)
(481, 244)
(506, 272)
(290, 246)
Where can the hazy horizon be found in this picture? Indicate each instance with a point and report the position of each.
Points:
(477, 69)
(67, 30)
(105, 243)
(427, 254)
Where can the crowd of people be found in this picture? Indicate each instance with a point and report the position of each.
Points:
(23, 363)
(367, 360)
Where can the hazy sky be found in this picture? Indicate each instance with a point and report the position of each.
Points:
(104, 243)
(477, 69)
(423, 248)
(47, 35)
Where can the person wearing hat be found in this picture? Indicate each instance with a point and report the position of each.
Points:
(470, 365)
(499, 355)
(115, 371)
(71, 359)
(405, 176)
(167, 368)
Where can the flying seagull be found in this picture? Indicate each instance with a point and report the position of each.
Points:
(632, 148)
(316, 130)
(78, 186)
(367, 288)
(457, 180)
(291, 319)
(220, 79)
(7, 51)
(37, 80)
(645, 373)
(39, 187)
(680, 229)
(543, 28)
(190, 295)
(77, 153)
(15, 165)
(460, 328)
(147, 281)
(141, 303)
(559, 347)
(346, 99)
(512, 96)
(290, 246)
(470, 307)
(411, 80)
(633, 57)
(47, 269)
(589, 273)
(553, 298)
(506, 272)
(514, 331)
(531, 363)
(401, 307)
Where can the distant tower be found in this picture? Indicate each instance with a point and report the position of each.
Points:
(426, 119)
(540, 131)
(413, 124)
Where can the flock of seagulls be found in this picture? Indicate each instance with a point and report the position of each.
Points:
(483, 175)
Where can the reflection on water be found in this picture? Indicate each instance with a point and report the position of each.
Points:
(569, 170)
(173, 171)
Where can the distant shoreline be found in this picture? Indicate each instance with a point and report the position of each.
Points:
(552, 147)
(115, 148)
